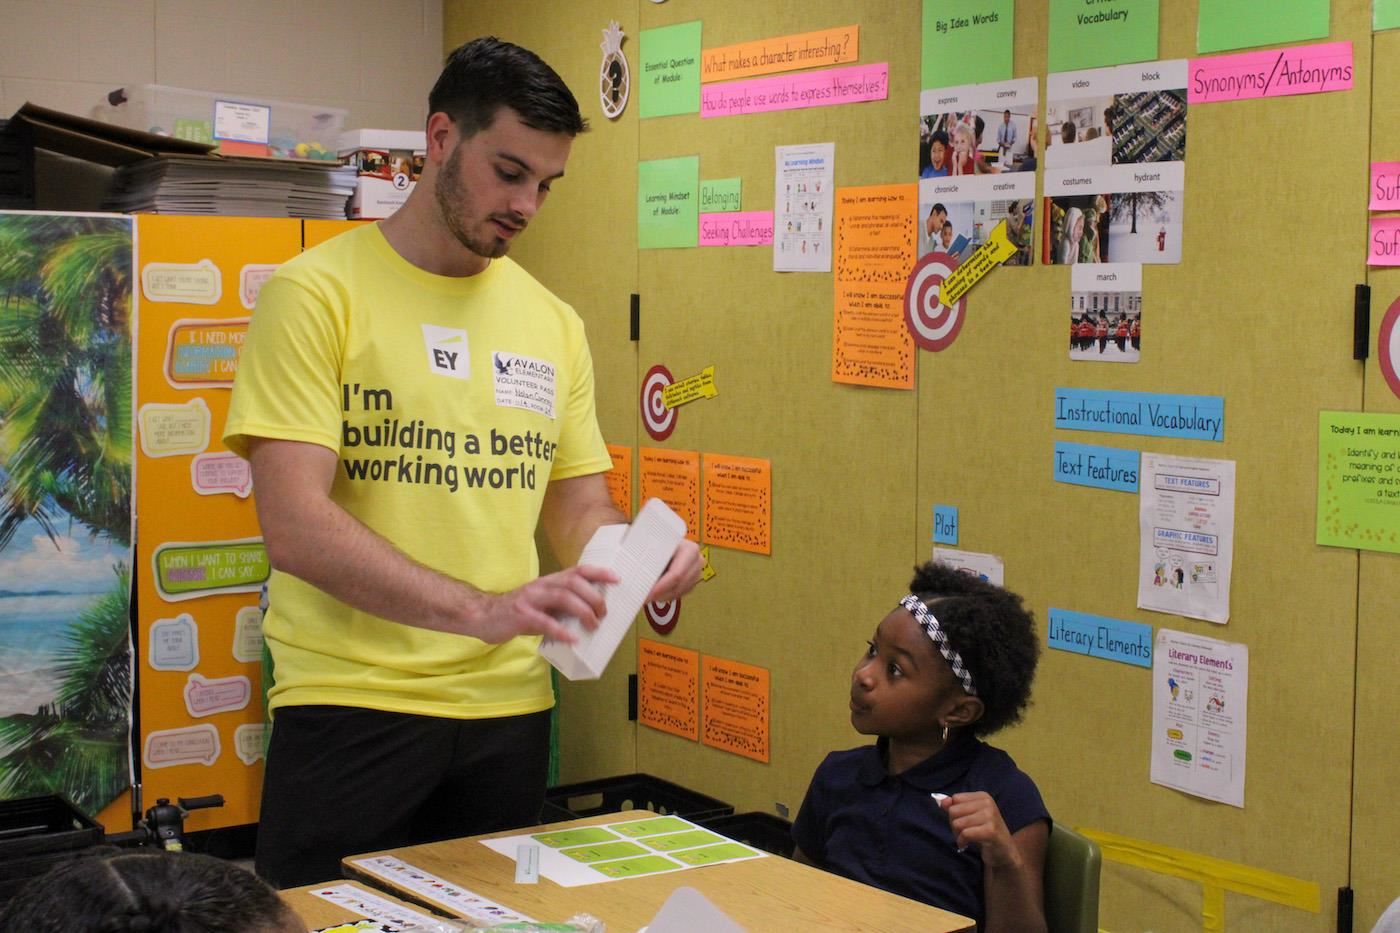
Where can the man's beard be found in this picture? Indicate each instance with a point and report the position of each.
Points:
(451, 201)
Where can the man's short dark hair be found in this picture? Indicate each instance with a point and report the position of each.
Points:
(486, 74)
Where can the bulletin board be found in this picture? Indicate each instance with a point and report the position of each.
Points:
(198, 545)
(1258, 312)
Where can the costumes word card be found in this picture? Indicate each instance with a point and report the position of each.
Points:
(1187, 524)
(734, 707)
(1200, 703)
(626, 849)
(668, 688)
(875, 253)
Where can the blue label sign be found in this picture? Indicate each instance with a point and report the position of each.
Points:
(945, 524)
(1100, 637)
(1201, 417)
(1101, 467)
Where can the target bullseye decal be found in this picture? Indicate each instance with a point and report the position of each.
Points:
(659, 420)
(663, 616)
(932, 324)
(1388, 347)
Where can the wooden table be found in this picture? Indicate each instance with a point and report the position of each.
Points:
(762, 895)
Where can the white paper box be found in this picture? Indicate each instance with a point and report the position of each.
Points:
(638, 554)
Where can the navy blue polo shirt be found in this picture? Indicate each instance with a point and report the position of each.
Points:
(883, 829)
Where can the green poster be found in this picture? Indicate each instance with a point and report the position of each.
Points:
(1102, 32)
(1358, 480)
(1385, 14)
(967, 42)
(669, 82)
(667, 203)
(720, 195)
(1242, 24)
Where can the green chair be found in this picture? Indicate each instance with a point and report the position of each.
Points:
(1072, 865)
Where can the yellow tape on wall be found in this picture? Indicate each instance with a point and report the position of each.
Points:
(1215, 875)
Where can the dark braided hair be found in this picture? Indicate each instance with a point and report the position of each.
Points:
(994, 633)
(110, 890)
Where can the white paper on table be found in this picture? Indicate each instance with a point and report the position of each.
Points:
(638, 554)
(687, 910)
(1186, 518)
(1200, 705)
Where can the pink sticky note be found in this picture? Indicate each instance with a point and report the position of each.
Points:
(737, 228)
(1384, 242)
(1302, 69)
(1385, 186)
(797, 90)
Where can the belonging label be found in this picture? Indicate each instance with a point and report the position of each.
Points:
(240, 122)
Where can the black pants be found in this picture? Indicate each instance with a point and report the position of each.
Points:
(341, 781)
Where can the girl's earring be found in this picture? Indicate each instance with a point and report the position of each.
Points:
(945, 733)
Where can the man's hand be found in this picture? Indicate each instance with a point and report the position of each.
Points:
(537, 607)
(681, 576)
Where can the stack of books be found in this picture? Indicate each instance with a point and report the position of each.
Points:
(244, 187)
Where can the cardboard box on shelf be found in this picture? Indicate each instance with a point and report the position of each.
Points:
(389, 162)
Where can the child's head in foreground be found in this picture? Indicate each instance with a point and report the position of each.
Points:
(957, 653)
(113, 890)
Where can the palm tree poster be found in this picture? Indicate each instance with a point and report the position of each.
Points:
(65, 506)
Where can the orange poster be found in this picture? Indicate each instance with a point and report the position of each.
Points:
(781, 53)
(199, 557)
(673, 476)
(668, 688)
(620, 478)
(739, 503)
(734, 711)
(874, 253)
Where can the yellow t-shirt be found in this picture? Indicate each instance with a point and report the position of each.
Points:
(451, 403)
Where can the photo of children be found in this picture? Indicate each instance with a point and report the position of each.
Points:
(1126, 226)
(959, 227)
(1105, 313)
(977, 142)
(977, 161)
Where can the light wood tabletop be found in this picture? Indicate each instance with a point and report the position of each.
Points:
(764, 894)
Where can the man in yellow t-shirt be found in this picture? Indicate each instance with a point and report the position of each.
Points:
(413, 404)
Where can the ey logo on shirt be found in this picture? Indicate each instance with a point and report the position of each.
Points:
(447, 351)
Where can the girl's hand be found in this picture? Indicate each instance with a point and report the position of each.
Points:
(976, 820)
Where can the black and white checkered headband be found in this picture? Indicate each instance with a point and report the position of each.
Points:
(935, 632)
